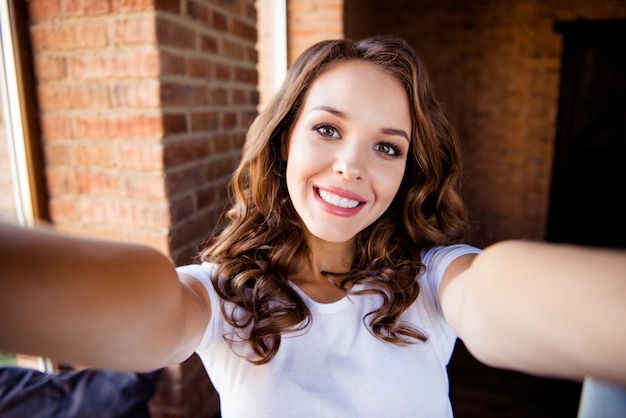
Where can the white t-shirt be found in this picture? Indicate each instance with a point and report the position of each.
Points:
(336, 368)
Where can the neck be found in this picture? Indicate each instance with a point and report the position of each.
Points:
(332, 259)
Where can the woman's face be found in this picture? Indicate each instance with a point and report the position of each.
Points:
(347, 150)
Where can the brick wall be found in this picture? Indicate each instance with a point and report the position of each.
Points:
(208, 97)
(144, 107)
(495, 67)
(310, 21)
(97, 68)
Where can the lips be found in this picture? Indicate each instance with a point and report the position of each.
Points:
(333, 199)
(339, 201)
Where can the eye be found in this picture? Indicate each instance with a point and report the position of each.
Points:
(388, 149)
(327, 130)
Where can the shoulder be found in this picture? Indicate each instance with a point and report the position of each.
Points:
(436, 260)
(201, 272)
(202, 275)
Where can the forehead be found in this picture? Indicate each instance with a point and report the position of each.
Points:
(350, 73)
(361, 87)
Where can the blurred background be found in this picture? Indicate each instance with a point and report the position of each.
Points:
(124, 119)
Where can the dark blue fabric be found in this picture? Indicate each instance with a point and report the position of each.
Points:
(75, 394)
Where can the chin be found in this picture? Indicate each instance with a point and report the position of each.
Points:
(335, 236)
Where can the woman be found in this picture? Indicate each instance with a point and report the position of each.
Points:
(338, 284)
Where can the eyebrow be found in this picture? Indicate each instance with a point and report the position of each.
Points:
(340, 114)
(396, 132)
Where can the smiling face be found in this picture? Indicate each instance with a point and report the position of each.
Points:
(347, 150)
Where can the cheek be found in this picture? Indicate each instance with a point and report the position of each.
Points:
(305, 157)
(392, 178)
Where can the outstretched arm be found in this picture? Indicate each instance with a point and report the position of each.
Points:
(97, 303)
(547, 309)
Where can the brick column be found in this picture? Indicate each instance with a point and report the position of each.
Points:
(310, 21)
(144, 107)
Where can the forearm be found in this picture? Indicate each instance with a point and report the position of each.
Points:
(548, 309)
(85, 301)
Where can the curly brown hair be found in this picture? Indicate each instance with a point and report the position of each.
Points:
(262, 239)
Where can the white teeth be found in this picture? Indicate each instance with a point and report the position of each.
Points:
(335, 200)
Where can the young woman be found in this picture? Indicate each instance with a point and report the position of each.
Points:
(338, 284)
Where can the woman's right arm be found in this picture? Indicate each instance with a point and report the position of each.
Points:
(97, 303)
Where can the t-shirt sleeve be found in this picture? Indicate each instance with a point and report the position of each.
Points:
(204, 274)
(436, 260)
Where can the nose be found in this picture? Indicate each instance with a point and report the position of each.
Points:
(350, 164)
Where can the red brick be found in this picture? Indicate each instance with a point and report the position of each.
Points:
(182, 209)
(118, 127)
(233, 50)
(220, 21)
(240, 97)
(142, 185)
(132, 5)
(140, 157)
(85, 7)
(219, 96)
(222, 72)
(56, 154)
(175, 35)
(86, 35)
(93, 212)
(77, 96)
(199, 12)
(170, 6)
(136, 94)
(199, 68)
(61, 183)
(92, 155)
(243, 30)
(252, 54)
(55, 127)
(184, 180)
(247, 117)
(137, 213)
(48, 37)
(96, 184)
(174, 124)
(229, 120)
(207, 43)
(183, 152)
(120, 65)
(192, 231)
(204, 121)
(250, 11)
(221, 144)
(175, 94)
(172, 64)
(246, 75)
(62, 210)
(207, 197)
(49, 67)
(134, 30)
(42, 9)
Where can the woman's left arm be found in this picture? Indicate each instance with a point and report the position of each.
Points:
(546, 309)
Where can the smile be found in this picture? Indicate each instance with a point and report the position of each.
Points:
(338, 201)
